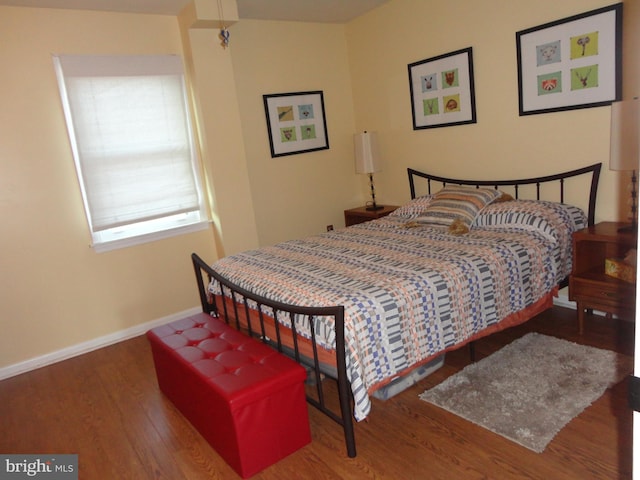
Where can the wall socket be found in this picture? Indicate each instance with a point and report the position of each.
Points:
(329, 228)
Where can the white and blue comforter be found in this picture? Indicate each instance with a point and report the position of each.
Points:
(409, 291)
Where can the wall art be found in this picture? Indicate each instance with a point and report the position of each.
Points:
(571, 63)
(296, 122)
(442, 90)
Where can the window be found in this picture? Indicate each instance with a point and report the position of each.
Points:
(129, 128)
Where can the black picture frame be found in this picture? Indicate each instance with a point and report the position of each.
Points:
(442, 90)
(296, 122)
(572, 63)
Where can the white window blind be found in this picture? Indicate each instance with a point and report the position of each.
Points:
(129, 128)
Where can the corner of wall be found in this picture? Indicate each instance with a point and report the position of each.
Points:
(217, 125)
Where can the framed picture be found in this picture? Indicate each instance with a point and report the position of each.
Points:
(296, 122)
(442, 91)
(571, 63)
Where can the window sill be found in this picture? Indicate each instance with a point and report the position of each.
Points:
(150, 237)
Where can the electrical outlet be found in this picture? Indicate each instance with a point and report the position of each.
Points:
(329, 228)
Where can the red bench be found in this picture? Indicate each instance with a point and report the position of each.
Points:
(246, 399)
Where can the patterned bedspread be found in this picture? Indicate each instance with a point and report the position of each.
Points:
(409, 292)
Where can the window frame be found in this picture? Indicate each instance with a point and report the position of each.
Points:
(145, 231)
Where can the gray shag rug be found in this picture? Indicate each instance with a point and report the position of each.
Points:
(530, 389)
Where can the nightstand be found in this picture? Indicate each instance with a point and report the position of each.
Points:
(357, 215)
(589, 286)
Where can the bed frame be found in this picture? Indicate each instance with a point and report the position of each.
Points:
(593, 170)
(249, 305)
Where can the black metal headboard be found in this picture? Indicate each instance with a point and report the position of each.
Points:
(594, 170)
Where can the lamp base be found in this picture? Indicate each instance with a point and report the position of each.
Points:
(374, 207)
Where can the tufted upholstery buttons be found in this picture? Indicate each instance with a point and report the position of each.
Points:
(245, 398)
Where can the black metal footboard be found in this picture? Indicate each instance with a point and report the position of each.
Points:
(245, 303)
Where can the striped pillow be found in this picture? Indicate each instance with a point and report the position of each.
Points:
(457, 203)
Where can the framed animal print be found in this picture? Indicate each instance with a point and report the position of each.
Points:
(442, 90)
(571, 63)
(296, 122)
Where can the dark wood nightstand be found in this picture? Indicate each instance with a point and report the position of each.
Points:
(589, 286)
(357, 215)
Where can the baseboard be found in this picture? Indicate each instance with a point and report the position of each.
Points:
(85, 347)
(563, 301)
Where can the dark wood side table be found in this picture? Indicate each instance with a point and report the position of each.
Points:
(357, 215)
(589, 286)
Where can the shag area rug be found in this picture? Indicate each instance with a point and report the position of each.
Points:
(530, 389)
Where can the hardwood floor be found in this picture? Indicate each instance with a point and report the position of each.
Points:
(106, 407)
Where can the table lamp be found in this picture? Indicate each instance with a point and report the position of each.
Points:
(368, 160)
(625, 151)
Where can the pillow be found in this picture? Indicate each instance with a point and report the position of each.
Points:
(553, 220)
(414, 208)
(457, 203)
(541, 215)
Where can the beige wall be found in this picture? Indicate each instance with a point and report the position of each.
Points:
(631, 39)
(501, 144)
(57, 293)
(296, 195)
(218, 127)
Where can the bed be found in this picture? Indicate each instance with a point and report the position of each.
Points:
(371, 303)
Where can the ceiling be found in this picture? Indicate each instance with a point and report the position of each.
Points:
(330, 11)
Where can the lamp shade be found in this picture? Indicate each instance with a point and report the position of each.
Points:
(625, 153)
(367, 152)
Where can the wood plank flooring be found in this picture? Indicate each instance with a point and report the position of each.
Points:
(106, 407)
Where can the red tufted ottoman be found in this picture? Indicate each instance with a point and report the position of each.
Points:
(246, 399)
